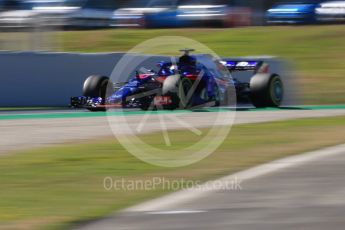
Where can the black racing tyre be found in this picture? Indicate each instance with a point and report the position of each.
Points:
(177, 88)
(266, 90)
(97, 86)
(184, 88)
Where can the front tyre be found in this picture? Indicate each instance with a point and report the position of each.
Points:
(97, 86)
(266, 90)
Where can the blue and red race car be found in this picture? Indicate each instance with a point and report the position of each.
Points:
(194, 81)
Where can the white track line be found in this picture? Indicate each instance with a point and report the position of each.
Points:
(176, 212)
(172, 200)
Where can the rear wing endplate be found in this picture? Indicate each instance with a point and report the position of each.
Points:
(244, 65)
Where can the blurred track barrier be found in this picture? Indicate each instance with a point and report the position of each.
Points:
(50, 79)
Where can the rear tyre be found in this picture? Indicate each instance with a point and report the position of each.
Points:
(266, 90)
(97, 86)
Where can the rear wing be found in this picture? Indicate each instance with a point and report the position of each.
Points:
(245, 65)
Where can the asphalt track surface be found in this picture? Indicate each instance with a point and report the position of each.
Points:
(28, 129)
(307, 195)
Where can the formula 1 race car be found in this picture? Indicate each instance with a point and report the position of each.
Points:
(194, 81)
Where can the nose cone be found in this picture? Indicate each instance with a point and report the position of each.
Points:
(119, 96)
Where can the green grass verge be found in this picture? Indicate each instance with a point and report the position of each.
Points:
(316, 52)
(54, 187)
